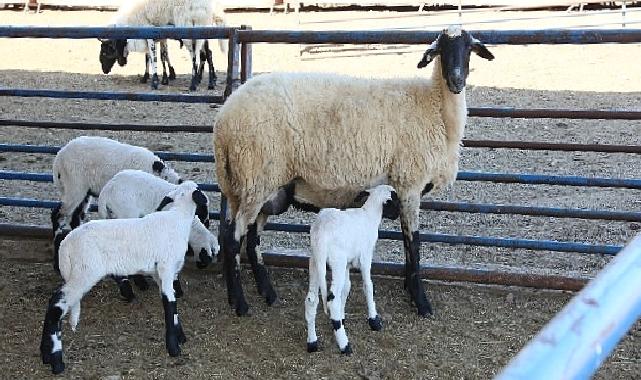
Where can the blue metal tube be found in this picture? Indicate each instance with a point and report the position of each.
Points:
(112, 95)
(547, 245)
(543, 179)
(575, 343)
(121, 32)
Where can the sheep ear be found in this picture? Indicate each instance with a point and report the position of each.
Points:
(429, 55)
(165, 201)
(481, 50)
(158, 166)
(199, 198)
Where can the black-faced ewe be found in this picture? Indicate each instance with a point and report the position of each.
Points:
(82, 168)
(343, 239)
(154, 244)
(284, 129)
(135, 193)
(179, 13)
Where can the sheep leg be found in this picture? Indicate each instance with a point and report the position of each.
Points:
(345, 293)
(51, 341)
(194, 68)
(373, 319)
(261, 275)
(163, 59)
(80, 212)
(174, 335)
(125, 288)
(231, 267)
(336, 314)
(311, 306)
(210, 66)
(178, 290)
(172, 72)
(412, 244)
(151, 45)
(145, 77)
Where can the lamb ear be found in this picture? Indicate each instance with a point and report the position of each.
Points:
(429, 55)
(199, 198)
(158, 166)
(481, 50)
(165, 201)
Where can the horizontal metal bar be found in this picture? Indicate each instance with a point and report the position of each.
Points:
(488, 208)
(555, 147)
(552, 113)
(169, 156)
(108, 126)
(447, 273)
(542, 179)
(120, 32)
(432, 272)
(413, 37)
(546, 245)
(112, 95)
(581, 336)
(529, 179)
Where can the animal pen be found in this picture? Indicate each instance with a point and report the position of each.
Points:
(239, 70)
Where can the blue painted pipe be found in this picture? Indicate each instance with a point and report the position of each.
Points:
(112, 95)
(579, 338)
(121, 32)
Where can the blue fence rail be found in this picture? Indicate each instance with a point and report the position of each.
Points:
(579, 338)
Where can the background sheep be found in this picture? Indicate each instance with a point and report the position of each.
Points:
(154, 244)
(135, 193)
(403, 132)
(180, 13)
(82, 168)
(343, 239)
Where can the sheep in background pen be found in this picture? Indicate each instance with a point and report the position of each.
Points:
(179, 13)
(342, 239)
(154, 244)
(135, 193)
(402, 132)
(82, 168)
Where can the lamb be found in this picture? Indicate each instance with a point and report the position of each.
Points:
(180, 13)
(343, 239)
(82, 168)
(402, 132)
(154, 244)
(135, 193)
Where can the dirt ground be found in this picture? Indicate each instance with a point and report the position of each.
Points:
(476, 329)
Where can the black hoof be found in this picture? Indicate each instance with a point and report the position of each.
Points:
(154, 82)
(347, 350)
(144, 78)
(172, 73)
(242, 309)
(165, 80)
(57, 366)
(376, 324)
(211, 86)
(172, 344)
(312, 347)
(193, 87)
(271, 298)
(140, 281)
(46, 357)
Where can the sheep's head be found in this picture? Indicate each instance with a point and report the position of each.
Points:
(454, 46)
(165, 172)
(112, 51)
(386, 194)
(202, 207)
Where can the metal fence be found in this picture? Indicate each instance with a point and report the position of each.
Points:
(239, 41)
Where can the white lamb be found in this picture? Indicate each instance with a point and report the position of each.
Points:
(82, 168)
(154, 244)
(179, 13)
(343, 239)
(324, 149)
(135, 193)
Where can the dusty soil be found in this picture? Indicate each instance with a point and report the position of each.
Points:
(476, 329)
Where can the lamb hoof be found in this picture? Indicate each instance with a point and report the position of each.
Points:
(57, 366)
(376, 323)
(165, 80)
(211, 86)
(173, 352)
(154, 82)
(242, 310)
(144, 78)
(193, 87)
(347, 350)
(173, 347)
(271, 298)
(312, 346)
(46, 357)
(172, 73)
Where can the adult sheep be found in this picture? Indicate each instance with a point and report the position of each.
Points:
(332, 136)
(179, 13)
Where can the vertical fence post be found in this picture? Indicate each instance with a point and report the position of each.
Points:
(232, 61)
(245, 58)
(623, 9)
